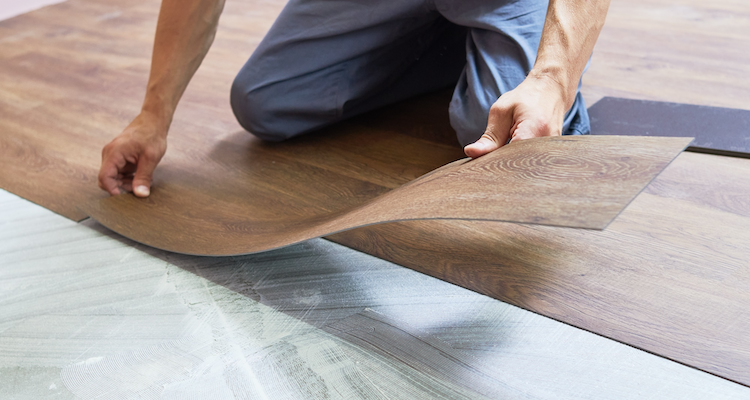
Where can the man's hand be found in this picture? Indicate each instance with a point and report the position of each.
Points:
(184, 33)
(128, 161)
(538, 105)
(533, 109)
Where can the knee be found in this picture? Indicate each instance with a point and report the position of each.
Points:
(255, 110)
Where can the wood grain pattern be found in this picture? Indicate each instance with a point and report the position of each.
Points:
(668, 276)
(575, 181)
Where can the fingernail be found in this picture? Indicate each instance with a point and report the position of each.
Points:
(141, 191)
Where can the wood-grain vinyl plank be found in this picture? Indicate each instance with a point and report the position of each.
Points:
(666, 276)
(574, 181)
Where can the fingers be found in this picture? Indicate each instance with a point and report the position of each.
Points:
(110, 176)
(496, 135)
(108, 179)
(129, 160)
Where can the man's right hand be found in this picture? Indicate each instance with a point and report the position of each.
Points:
(128, 161)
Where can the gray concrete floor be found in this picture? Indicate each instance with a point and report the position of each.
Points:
(87, 314)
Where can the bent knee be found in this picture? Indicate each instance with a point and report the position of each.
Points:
(255, 111)
(278, 110)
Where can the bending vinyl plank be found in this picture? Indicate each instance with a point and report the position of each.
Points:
(574, 181)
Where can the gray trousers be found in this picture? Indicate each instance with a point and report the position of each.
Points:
(327, 60)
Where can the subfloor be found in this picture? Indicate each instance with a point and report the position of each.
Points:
(87, 314)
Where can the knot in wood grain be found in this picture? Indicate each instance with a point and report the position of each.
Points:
(560, 165)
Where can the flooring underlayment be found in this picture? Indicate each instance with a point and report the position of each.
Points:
(669, 276)
(87, 314)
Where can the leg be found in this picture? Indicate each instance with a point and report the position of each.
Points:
(500, 51)
(323, 61)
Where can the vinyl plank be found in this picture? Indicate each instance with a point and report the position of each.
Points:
(576, 181)
(87, 75)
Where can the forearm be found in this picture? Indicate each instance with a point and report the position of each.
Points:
(184, 33)
(570, 32)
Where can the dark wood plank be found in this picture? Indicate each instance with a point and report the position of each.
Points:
(573, 181)
(717, 130)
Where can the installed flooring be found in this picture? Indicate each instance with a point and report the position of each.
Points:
(87, 314)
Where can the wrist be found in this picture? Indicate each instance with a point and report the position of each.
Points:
(157, 116)
(554, 79)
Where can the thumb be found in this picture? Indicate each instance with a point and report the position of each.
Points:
(143, 176)
(484, 145)
(499, 124)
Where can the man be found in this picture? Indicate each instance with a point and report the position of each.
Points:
(516, 65)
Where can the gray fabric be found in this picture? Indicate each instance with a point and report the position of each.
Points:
(326, 60)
